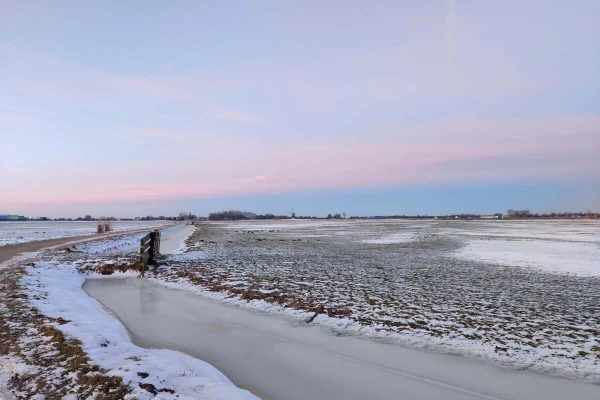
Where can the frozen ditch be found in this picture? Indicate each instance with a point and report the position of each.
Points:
(276, 358)
(172, 239)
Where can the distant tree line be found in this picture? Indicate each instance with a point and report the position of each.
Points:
(519, 213)
(90, 218)
(231, 215)
(235, 215)
(527, 214)
(512, 214)
(336, 216)
(394, 217)
(271, 216)
(186, 216)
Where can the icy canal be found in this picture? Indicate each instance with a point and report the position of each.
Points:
(172, 240)
(276, 358)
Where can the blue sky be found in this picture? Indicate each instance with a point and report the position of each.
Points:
(386, 107)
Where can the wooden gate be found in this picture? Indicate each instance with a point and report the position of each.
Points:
(149, 248)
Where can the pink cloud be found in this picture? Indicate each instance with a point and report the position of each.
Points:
(308, 179)
(232, 165)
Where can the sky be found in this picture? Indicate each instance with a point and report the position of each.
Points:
(388, 107)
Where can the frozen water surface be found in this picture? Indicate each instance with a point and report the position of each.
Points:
(276, 358)
(172, 239)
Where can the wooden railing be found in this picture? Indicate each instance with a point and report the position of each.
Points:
(149, 248)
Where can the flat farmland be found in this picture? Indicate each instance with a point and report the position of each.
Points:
(525, 294)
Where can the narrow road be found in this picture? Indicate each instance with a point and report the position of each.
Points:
(278, 359)
(13, 250)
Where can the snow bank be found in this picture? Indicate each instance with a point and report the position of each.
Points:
(107, 343)
(565, 257)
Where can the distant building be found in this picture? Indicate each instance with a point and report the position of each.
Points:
(489, 217)
(12, 218)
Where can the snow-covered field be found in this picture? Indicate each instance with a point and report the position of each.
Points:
(520, 293)
(23, 232)
(578, 258)
(524, 294)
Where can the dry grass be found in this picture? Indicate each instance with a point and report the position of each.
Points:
(58, 364)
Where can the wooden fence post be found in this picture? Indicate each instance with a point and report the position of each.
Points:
(154, 246)
(149, 249)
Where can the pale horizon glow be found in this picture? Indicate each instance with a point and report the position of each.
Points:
(230, 100)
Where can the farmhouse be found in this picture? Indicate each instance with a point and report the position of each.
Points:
(12, 218)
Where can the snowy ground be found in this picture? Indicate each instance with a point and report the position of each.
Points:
(57, 342)
(23, 232)
(111, 348)
(520, 293)
(577, 258)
